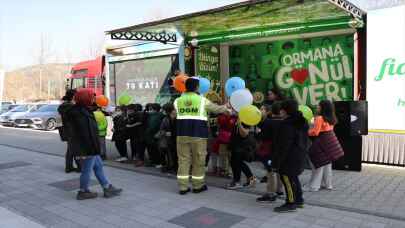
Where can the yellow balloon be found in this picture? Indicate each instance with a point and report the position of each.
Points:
(250, 115)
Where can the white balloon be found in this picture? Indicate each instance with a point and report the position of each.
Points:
(241, 98)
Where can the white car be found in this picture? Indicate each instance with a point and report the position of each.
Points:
(8, 118)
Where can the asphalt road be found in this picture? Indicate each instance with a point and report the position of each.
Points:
(39, 141)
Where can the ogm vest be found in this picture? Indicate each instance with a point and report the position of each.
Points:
(191, 115)
(101, 122)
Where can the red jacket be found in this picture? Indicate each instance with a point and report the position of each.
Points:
(225, 125)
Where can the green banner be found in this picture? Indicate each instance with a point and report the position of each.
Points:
(208, 58)
(308, 70)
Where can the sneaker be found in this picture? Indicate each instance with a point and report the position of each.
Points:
(84, 195)
(266, 198)
(202, 189)
(329, 188)
(112, 191)
(234, 185)
(285, 208)
(280, 194)
(139, 163)
(77, 170)
(305, 188)
(299, 205)
(251, 182)
(158, 166)
(183, 192)
(121, 159)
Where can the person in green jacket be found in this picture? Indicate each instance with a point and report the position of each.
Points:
(102, 131)
(153, 120)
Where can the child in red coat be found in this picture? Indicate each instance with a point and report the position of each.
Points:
(220, 146)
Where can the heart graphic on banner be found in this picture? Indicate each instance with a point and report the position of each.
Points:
(300, 75)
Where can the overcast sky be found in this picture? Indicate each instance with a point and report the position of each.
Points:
(73, 27)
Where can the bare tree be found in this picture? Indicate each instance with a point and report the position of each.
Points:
(42, 56)
(95, 46)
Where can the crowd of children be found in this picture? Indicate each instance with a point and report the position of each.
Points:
(151, 131)
(281, 142)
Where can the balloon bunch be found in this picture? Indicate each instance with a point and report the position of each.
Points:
(180, 84)
(241, 101)
(306, 112)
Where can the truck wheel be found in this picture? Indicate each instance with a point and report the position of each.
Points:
(50, 125)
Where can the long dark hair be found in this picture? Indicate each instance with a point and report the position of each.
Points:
(328, 112)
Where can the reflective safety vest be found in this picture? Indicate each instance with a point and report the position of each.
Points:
(101, 123)
(192, 116)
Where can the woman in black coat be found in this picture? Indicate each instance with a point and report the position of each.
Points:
(289, 154)
(65, 131)
(86, 145)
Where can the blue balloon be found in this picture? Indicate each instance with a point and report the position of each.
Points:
(233, 84)
(205, 85)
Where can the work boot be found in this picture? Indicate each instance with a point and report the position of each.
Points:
(112, 191)
(84, 195)
(183, 192)
(202, 189)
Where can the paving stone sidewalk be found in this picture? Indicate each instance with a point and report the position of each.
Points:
(376, 190)
(148, 201)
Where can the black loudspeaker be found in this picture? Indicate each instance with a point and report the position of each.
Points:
(352, 146)
(352, 118)
(352, 124)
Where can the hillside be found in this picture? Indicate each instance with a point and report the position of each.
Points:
(24, 84)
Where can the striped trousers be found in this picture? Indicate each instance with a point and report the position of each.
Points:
(293, 189)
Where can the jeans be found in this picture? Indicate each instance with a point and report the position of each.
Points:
(121, 146)
(103, 146)
(96, 164)
(238, 166)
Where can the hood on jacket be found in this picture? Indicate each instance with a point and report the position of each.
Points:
(65, 107)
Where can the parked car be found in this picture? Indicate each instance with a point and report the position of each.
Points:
(8, 118)
(5, 107)
(45, 118)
